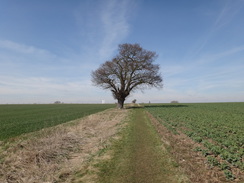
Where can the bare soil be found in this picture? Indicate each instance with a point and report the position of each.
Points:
(56, 154)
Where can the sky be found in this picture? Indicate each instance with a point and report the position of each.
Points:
(49, 48)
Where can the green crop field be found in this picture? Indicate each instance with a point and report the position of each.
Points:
(217, 127)
(18, 119)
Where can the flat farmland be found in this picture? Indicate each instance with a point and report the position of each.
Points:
(150, 143)
(24, 118)
(218, 128)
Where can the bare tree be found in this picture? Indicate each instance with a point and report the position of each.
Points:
(131, 69)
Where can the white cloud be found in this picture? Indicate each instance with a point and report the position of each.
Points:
(114, 17)
(45, 90)
(213, 77)
(20, 59)
(24, 49)
(188, 95)
(103, 25)
(17, 57)
(33, 75)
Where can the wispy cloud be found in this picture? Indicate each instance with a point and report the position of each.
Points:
(114, 17)
(45, 89)
(229, 10)
(208, 58)
(207, 67)
(17, 53)
(21, 48)
(17, 58)
(211, 77)
(27, 71)
(104, 28)
(226, 13)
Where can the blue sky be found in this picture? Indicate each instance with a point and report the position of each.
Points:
(48, 48)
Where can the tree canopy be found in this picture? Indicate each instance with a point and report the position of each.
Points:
(130, 70)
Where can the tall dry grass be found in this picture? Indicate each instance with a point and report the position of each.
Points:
(56, 154)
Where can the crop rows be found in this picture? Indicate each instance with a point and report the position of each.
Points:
(18, 119)
(218, 127)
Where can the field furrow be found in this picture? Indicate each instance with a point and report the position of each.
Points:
(218, 128)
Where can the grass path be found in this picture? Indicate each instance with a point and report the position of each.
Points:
(139, 156)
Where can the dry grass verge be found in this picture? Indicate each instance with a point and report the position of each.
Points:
(56, 154)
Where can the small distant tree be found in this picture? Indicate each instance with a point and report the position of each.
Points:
(174, 102)
(130, 70)
(134, 101)
(57, 102)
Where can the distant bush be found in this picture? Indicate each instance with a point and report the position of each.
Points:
(174, 102)
(134, 101)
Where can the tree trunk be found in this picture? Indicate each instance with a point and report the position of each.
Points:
(121, 103)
